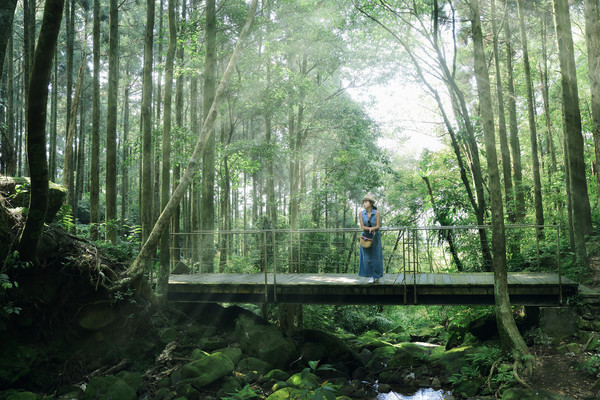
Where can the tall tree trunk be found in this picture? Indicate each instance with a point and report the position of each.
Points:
(36, 129)
(70, 32)
(165, 190)
(95, 156)
(479, 206)
(207, 211)
(28, 48)
(125, 154)
(137, 267)
(10, 110)
(68, 171)
(111, 123)
(7, 12)
(509, 334)
(592, 39)
(194, 192)
(175, 252)
(80, 168)
(54, 120)
(515, 146)
(147, 156)
(545, 90)
(535, 162)
(582, 218)
(504, 150)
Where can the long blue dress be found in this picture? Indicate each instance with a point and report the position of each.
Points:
(370, 261)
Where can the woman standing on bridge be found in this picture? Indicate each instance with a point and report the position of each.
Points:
(370, 262)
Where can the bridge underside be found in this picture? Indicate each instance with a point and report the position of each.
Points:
(525, 288)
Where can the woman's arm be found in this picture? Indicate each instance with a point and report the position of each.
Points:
(360, 220)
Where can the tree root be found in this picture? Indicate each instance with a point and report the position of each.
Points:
(488, 382)
(517, 377)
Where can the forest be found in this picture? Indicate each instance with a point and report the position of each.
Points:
(174, 134)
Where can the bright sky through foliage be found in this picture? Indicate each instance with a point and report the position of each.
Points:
(406, 115)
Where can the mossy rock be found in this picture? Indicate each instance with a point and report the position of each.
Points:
(470, 387)
(213, 343)
(524, 394)
(276, 375)
(254, 364)
(22, 396)
(133, 379)
(17, 189)
(233, 353)
(94, 317)
(286, 394)
(206, 370)
(264, 341)
(168, 335)
(454, 359)
(409, 354)
(229, 387)
(574, 348)
(108, 388)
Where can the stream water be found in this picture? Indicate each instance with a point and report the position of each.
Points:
(421, 394)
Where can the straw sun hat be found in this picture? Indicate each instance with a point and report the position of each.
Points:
(370, 198)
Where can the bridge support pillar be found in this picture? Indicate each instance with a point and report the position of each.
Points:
(558, 322)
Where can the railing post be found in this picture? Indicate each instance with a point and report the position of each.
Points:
(560, 292)
(274, 233)
(537, 248)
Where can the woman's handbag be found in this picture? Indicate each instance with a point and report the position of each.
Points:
(366, 242)
(366, 239)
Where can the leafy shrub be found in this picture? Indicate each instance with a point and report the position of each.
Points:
(591, 366)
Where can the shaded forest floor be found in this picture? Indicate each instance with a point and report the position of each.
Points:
(561, 373)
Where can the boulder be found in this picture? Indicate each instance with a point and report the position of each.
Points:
(484, 328)
(16, 191)
(22, 396)
(206, 369)
(264, 341)
(233, 353)
(316, 340)
(108, 388)
(408, 355)
(95, 316)
(253, 364)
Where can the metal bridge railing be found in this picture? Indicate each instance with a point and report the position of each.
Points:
(406, 250)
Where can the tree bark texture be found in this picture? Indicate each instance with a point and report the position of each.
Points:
(165, 189)
(582, 219)
(592, 38)
(147, 156)
(504, 149)
(137, 268)
(207, 209)
(111, 123)
(7, 12)
(95, 147)
(68, 171)
(509, 334)
(535, 162)
(36, 129)
(515, 145)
